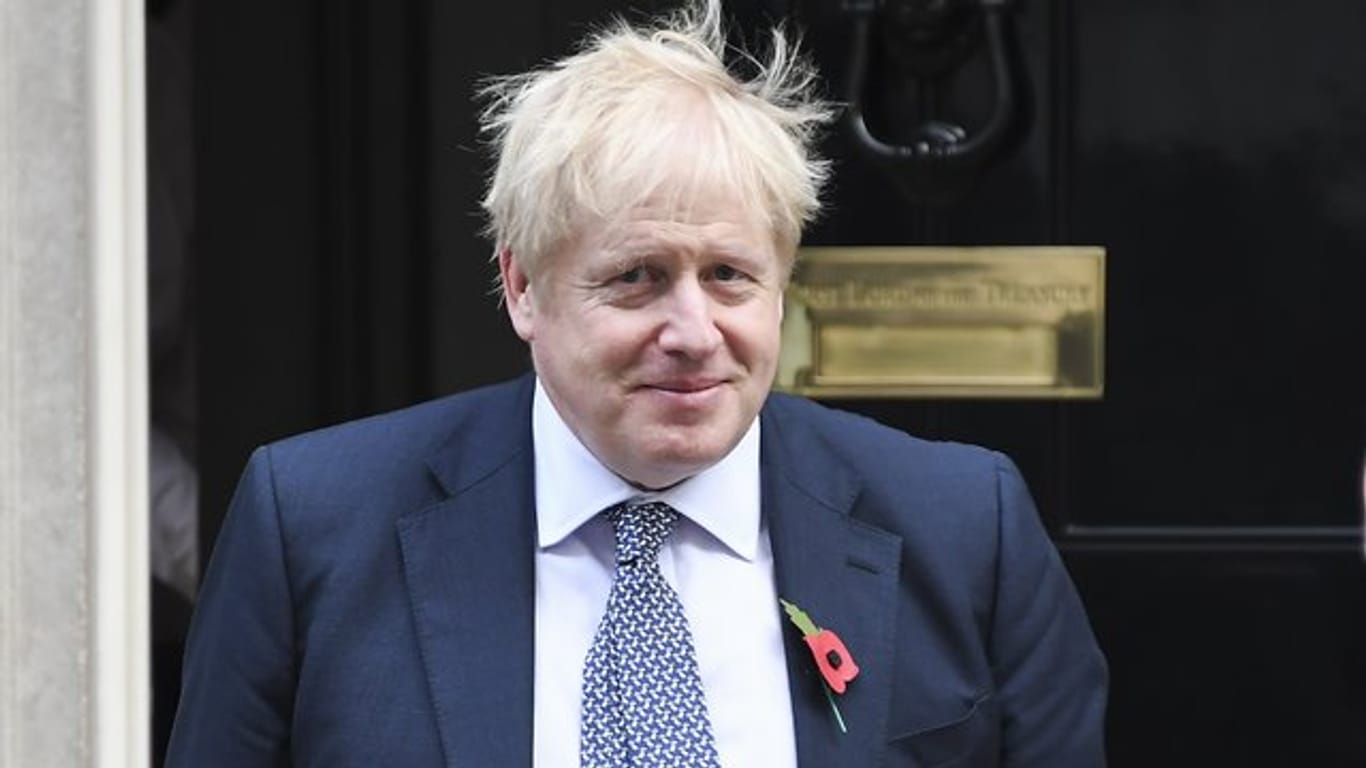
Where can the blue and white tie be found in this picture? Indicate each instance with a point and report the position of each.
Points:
(643, 705)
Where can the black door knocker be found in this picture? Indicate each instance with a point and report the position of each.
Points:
(922, 46)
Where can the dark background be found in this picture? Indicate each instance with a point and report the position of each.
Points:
(1209, 506)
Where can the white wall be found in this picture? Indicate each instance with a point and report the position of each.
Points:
(73, 414)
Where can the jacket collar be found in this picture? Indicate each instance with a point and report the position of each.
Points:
(478, 641)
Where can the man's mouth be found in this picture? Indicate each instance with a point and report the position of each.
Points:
(685, 386)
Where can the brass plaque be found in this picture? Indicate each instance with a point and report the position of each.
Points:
(999, 322)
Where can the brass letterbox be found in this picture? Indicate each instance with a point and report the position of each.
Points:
(998, 322)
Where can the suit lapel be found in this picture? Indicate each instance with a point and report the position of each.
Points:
(469, 566)
(844, 573)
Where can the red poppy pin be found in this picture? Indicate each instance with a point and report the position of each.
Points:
(832, 658)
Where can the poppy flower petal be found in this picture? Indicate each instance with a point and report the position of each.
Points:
(836, 666)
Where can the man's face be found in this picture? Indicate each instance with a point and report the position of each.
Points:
(656, 334)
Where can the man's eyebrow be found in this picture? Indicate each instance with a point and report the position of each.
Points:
(737, 250)
(649, 243)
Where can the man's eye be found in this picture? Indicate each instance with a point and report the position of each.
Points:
(726, 273)
(633, 276)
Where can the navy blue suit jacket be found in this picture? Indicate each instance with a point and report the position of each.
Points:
(370, 598)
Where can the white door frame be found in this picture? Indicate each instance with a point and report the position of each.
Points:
(119, 412)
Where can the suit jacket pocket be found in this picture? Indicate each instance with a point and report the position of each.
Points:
(970, 741)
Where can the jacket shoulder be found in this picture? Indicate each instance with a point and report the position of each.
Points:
(929, 492)
(873, 449)
(385, 453)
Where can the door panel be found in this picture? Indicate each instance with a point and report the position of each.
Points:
(1230, 658)
(1228, 177)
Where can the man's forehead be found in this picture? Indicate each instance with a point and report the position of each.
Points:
(713, 228)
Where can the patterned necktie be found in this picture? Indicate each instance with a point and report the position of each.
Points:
(643, 705)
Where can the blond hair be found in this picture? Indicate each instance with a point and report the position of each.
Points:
(588, 136)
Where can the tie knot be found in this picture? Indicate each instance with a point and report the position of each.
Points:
(641, 530)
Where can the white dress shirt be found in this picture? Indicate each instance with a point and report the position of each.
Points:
(718, 559)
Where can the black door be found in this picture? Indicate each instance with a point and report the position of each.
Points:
(1209, 506)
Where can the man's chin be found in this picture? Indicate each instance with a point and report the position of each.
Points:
(661, 465)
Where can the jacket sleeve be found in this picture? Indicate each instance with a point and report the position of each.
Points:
(1050, 675)
(239, 673)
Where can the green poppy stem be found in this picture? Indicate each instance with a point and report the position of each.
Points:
(839, 719)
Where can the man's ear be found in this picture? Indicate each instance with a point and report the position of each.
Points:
(517, 295)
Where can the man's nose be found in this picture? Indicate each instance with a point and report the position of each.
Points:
(690, 325)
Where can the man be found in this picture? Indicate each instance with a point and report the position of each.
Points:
(585, 567)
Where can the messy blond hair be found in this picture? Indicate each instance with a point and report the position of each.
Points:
(587, 137)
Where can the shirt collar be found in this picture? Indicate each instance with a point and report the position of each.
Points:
(572, 486)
